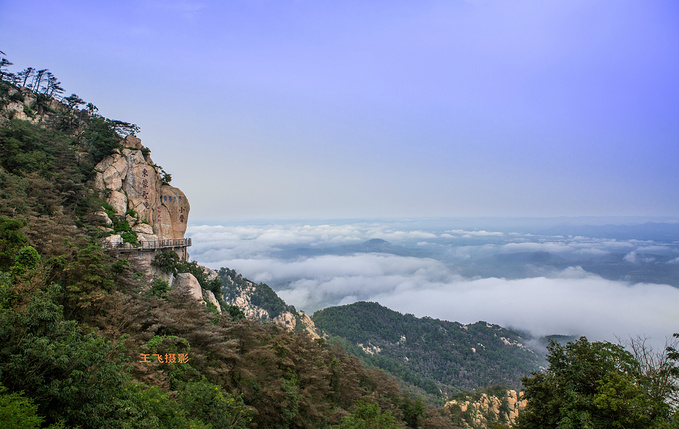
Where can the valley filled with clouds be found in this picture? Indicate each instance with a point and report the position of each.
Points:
(602, 281)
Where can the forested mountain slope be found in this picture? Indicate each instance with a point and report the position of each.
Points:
(437, 356)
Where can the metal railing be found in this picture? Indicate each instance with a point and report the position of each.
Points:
(150, 245)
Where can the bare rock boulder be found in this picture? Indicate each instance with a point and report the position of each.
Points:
(175, 212)
(189, 282)
(133, 142)
(208, 296)
(119, 202)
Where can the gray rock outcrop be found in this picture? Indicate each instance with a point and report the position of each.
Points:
(487, 408)
(129, 180)
(241, 296)
(208, 296)
(189, 282)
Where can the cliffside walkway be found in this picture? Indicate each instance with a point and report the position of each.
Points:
(141, 246)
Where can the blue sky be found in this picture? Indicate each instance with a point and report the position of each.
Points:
(330, 109)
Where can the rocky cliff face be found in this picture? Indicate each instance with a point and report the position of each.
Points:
(188, 281)
(478, 413)
(131, 183)
(259, 301)
(134, 186)
(23, 111)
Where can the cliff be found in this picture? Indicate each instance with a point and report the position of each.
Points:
(25, 105)
(134, 186)
(260, 302)
(478, 412)
(138, 195)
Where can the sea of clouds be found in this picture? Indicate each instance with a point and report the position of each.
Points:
(531, 282)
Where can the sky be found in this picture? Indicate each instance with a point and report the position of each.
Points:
(289, 109)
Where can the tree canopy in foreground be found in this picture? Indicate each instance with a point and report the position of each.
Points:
(599, 385)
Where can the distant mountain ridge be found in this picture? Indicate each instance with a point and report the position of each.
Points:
(657, 231)
(374, 245)
(437, 356)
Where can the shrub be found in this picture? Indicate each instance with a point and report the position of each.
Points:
(129, 237)
(159, 287)
(26, 259)
(167, 261)
(17, 411)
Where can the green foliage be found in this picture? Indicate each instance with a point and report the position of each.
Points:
(175, 373)
(368, 416)
(159, 287)
(215, 286)
(264, 297)
(108, 209)
(119, 266)
(194, 269)
(17, 411)
(413, 411)
(41, 172)
(167, 261)
(590, 385)
(28, 111)
(234, 311)
(59, 363)
(211, 308)
(87, 279)
(121, 226)
(7, 294)
(150, 407)
(129, 237)
(27, 148)
(11, 240)
(100, 138)
(165, 176)
(209, 403)
(26, 259)
(673, 357)
(168, 344)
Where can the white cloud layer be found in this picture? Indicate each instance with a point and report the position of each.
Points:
(567, 301)
(574, 303)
